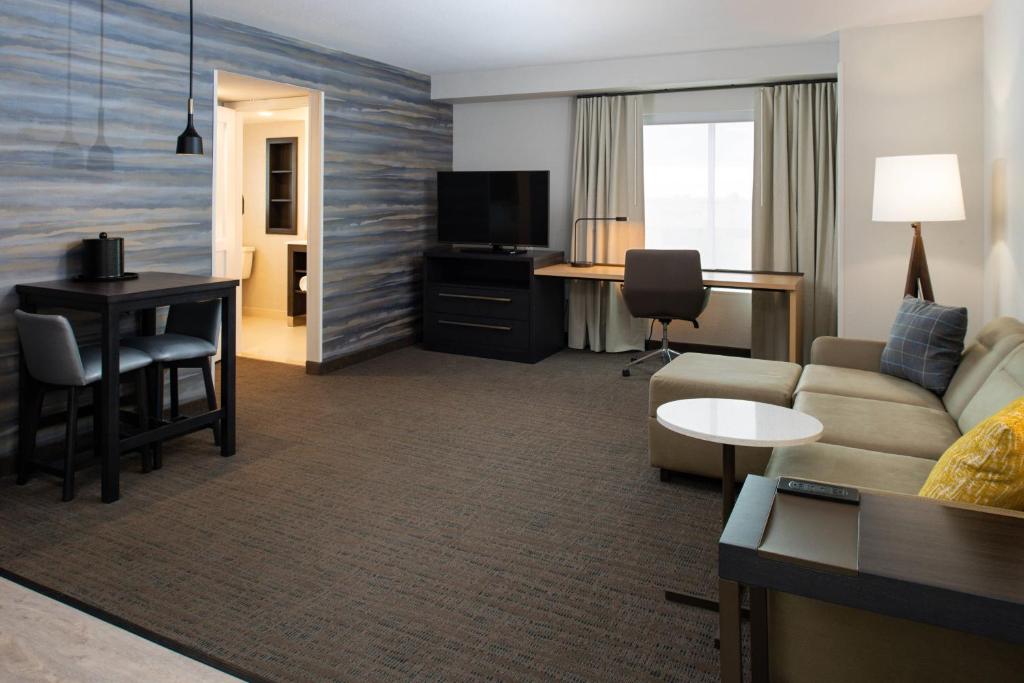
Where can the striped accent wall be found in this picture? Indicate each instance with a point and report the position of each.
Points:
(81, 153)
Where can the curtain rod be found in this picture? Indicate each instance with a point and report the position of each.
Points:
(729, 86)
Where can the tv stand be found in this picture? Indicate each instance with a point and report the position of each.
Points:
(481, 302)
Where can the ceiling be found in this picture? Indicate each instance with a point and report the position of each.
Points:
(237, 88)
(445, 36)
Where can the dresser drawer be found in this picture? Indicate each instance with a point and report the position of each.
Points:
(470, 331)
(489, 302)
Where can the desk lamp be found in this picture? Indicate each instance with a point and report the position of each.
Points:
(591, 243)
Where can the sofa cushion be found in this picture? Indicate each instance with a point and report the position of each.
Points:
(925, 344)
(994, 343)
(702, 375)
(824, 379)
(1004, 385)
(880, 425)
(851, 467)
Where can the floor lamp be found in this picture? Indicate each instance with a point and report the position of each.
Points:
(918, 189)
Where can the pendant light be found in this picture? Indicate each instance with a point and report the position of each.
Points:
(189, 141)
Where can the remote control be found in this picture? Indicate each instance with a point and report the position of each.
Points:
(816, 489)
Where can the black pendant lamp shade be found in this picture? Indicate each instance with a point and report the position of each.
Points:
(189, 141)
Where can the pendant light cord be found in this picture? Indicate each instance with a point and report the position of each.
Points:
(191, 41)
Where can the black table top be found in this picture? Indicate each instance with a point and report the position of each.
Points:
(147, 285)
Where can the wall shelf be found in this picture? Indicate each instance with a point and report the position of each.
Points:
(282, 186)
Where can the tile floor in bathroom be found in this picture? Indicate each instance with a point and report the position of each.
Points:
(271, 339)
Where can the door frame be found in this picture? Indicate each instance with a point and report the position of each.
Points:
(314, 215)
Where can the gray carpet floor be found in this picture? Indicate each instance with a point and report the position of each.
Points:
(417, 516)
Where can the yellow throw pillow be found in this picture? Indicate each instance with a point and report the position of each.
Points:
(985, 466)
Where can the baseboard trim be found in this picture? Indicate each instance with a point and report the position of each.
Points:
(684, 347)
(347, 359)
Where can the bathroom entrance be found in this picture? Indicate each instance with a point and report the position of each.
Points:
(268, 208)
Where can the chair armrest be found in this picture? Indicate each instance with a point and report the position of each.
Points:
(840, 352)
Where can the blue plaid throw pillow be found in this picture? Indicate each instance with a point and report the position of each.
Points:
(925, 343)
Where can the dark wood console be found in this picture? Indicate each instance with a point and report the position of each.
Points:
(492, 305)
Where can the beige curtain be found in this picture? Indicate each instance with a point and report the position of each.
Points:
(794, 216)
(608, 169)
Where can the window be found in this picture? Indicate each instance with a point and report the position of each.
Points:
(698, 182)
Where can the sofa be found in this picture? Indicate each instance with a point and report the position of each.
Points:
(881, 433)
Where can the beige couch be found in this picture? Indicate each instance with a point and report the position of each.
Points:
(880, 433)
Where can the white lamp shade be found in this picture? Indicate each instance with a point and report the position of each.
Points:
(918, 189)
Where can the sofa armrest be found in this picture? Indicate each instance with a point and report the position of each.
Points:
(840, 352)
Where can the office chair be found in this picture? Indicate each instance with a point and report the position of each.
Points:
(665, 284)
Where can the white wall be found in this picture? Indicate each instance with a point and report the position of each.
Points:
(521, 135)
(1004, 158)
(265, 292)
(713, 67)
(908, 89)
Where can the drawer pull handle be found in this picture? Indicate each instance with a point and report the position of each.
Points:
(474, 297)
(500, 328)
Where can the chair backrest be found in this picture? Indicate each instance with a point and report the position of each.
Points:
(196, 319)
(994, 343)
(664, 283)
(50, 349)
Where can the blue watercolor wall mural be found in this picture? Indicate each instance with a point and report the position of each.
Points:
(92, 96)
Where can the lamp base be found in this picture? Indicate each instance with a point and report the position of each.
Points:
(919, 282)
(581, 264)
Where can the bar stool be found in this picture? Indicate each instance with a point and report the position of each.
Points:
(189, 341)
(56, 362)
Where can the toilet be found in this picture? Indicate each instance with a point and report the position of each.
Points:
(247, 256)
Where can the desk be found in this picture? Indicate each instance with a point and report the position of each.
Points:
(909, 557)
(142, 296)
(770, 282)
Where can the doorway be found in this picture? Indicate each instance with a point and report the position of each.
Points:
(268, 214)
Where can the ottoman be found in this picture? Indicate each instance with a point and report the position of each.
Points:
(702, 375)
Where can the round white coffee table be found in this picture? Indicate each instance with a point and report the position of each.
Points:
(732, 423)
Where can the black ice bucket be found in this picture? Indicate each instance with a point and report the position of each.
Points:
(103, 259)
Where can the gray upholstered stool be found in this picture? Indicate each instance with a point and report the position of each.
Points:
(56, 362)
(189, 341)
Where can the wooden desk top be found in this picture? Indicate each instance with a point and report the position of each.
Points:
(954, 566)
(765, 281)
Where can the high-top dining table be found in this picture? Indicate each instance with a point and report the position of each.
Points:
(141, 297)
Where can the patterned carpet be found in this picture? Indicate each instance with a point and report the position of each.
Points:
(418, 516)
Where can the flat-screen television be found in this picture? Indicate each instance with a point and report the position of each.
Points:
(493, 207)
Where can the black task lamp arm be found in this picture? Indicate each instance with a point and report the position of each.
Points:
(575, 226)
